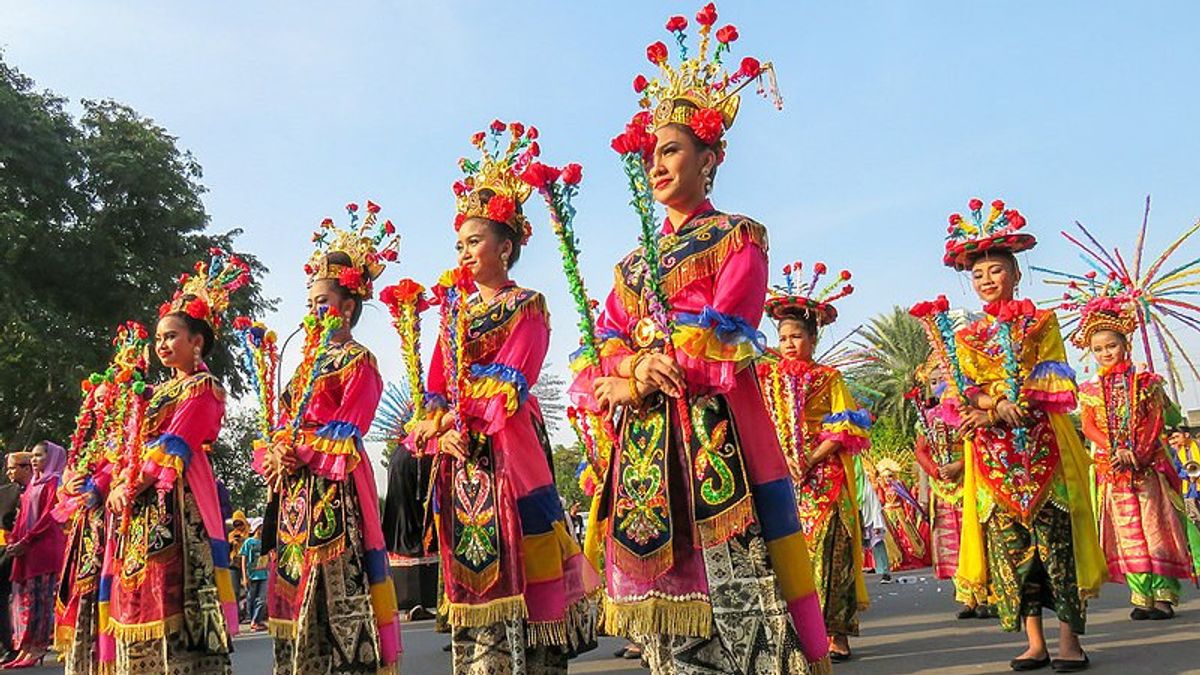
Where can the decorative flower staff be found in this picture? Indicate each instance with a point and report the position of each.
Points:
(1158, 295)
(260, 360)
(934, 316)
(450, 294)
(405, 301)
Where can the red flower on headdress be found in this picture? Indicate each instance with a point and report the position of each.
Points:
(460, 188)
(1016, 220)
(847, 289)
(164, 309)
(727, 34)
(534, 149)
(975, 204)
(388, 227)
(389, 255)
(539, 175)
(820, 268)
(1091, 274)
(787, 269)
(572, 174)
(352, 279)
(942, 304)
(676, 23)
(517, 129)
(707, 124)
(328, 222)
(352, 207)
(998, 205)
(750, 67)
(459, 219)
(197, 308)
(707, 16)
(640, 83)
(372, 207)
(498, 126)
(500, 208)
(242, 323)
(845, 275)
(532, 134)
(955, 218)
(657, 53)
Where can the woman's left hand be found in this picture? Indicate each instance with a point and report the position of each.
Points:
(1010, 413)
(454, 443)
(1126, 459)
(16, 550)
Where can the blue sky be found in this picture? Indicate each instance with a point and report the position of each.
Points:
(895, 114)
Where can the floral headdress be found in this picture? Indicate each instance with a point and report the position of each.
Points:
(699, 93)
(1105, 307)
(794, 300)
(205, 294)
(500, 173)
(974, 235)
(369, 245)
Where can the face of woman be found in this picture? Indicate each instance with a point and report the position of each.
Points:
(326, 293)
(38, 457)
(175, 346)
(677, 175)
(994, 279)
(481, 250)
(795, 342)
(1109, 348)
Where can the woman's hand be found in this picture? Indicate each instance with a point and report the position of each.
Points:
(454, 443)
(75, 485)
(16, 550)
(952, 471)
(1125, 459)
(612, 392)
(118, 499)
(973, 419)
(424, 431)
(658, 372)
(1010, 413)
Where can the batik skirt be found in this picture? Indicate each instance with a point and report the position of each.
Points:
(33, 612)
(1033, 566)
(1143, 536)
(832, 551)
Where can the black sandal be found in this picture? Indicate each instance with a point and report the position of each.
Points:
(839, 657)
(1070, 665)
(1029, 664)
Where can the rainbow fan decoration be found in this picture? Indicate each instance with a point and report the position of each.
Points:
(1161, 291)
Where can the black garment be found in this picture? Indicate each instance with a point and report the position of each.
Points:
(404, 504)
(10, 498)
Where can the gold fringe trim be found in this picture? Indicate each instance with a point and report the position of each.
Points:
(177, 391)
(476, 616)
(281, 628)
(106, 668)
(389, 669)
(704, 265)
(546, 633)
(822, 667)
(478, 582)
(727, 524)
(489, 342)
(658, 616)
(644, 567)
(64, 635)
(140, 632)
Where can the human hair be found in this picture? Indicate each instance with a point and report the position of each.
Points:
(1121, 337)
(503, 231)
(341, 258)
(805, 320)
(1003, 256)
(197, 327)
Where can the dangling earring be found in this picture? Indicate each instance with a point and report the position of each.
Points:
(707, 180)
(197, 359)
(504, 259)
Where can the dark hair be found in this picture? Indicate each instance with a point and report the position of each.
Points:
(502, 230)
(340, 258)
(1123, 338)
(806, 320)
(197, 327)
(717, 147)
(1004, 256)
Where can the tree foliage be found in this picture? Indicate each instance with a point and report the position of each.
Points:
(550, 391)
(98, 217)
(231, 455)
(566, 460)
(894, 345)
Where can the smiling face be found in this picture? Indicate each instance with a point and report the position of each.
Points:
(677, 175)
(994, 278)
(175, 345)
(481, 249)
(1109, 348)
(795, 340)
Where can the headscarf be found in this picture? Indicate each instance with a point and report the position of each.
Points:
(56, 461)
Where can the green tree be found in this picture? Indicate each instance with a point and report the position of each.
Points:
(231, 456)
(98, 218)
(894, 346)
(566, 460)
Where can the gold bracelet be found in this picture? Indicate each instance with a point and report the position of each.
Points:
(635, 396)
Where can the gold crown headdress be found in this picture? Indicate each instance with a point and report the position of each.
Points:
(700, 93)
(1106, 307)
(369, 246)
(500, 173)
(205, 294)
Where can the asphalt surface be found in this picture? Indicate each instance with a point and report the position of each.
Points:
(910, 628)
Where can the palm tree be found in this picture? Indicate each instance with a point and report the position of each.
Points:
(892, 345)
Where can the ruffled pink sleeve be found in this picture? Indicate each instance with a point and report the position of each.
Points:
(335, 449)
(613, 347)
(195, 422)
(714, 344)
(494, 391)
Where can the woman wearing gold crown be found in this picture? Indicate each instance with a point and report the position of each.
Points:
(171, 606)
(697, 570)
(516, 582)
(111, 402)
(1123, 412)
(939, 452)
(820, 427)
(330, 599)
(1025, 492)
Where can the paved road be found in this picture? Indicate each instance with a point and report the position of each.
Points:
(910, 629)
